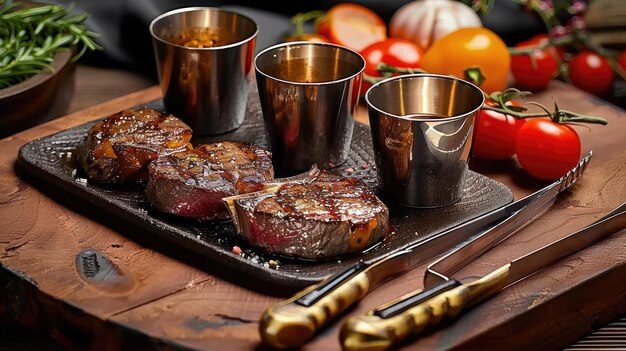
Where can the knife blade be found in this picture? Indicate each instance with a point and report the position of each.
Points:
(373, 332)
(292, 322)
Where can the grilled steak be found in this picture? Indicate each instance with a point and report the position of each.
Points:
(193, 183)
(118, 149)
(326, 217)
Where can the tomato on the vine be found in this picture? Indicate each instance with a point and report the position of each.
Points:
(591, 72)
(396, 52)
(469, 47)
(495, 133)
(352, 25)
(547, 150)
(534, 71)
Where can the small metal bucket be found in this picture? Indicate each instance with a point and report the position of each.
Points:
(309, 93)
(207, 87)
(422, 134)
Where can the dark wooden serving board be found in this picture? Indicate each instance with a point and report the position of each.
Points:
(52, 160)
(145, 297)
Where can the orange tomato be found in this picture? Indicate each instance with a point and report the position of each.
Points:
(353, 26)
(467, 47)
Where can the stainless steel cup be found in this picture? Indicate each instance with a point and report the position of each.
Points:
(309, 93)
(422, 133)
(207, 87)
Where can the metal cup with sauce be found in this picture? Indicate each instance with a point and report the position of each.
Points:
(204, 60)
(421, 128)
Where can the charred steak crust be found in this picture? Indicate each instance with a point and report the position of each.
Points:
(192, 183)
(119, 148)
(327, 217)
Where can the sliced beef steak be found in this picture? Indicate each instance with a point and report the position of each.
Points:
(326, 217)
(192, 183)
(118, 149)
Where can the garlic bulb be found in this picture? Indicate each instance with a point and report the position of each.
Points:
(425, 21)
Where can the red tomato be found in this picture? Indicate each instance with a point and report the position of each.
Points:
(495, 134)
(353, 25)
(392, 51)
(547, 150)
(534, 71)
(591, 72)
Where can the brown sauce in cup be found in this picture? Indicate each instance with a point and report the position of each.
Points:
(202, 37)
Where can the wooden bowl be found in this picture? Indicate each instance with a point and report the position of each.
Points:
(40, 98)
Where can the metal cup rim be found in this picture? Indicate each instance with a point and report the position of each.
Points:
(203, 8)
(417, 75)
(293, 43)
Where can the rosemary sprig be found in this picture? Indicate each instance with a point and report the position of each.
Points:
(31, 36)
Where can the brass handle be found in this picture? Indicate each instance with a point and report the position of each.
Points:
(371, 332)
(291, 323)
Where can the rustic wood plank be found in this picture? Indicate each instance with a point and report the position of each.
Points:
(194, 315)
(52, 247)
(561, 303)
(555, 307)
(95, 85)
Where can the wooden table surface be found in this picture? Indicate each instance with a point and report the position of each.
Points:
(159, 297)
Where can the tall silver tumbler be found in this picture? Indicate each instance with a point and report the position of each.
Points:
(204, 60)
(422, 133)
(309, 93)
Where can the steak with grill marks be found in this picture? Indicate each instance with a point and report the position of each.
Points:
(119, 148)
(192, 183)
(326, 217)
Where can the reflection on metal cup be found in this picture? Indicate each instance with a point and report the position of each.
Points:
(309, 93)
(204, 60)
(422, 133)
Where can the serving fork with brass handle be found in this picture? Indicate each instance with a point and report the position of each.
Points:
(391, 323)
(292, 322)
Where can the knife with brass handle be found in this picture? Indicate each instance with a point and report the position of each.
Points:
(292, 322)
(390, 324)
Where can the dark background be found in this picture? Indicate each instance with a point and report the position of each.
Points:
(123, 24)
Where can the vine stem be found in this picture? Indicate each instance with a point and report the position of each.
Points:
(566, 116)
(301, 18)
(387, 70)
(566, 39)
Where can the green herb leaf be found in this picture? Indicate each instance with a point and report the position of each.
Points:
(31, 36)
